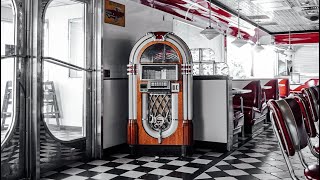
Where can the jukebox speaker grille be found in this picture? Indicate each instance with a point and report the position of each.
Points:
(160, 117)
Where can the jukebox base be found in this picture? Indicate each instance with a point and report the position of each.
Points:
(163, 150)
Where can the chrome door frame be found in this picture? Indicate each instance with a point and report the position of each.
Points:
(33, 87)
(35, 12)
(97, 78)
(19, 93)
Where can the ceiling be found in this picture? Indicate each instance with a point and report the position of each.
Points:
(268, 17)
(277, 16)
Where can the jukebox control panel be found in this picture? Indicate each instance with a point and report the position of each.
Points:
(155, 78)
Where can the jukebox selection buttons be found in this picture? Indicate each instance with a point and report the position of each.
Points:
(158, 85)
(175, 87)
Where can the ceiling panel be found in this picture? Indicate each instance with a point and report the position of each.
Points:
(293, 15)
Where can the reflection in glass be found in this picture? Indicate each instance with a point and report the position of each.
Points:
(221, 68)
(208, 54)
(195, 55)
(63, 88)
(203, 61)
(196, 69)
(159, 53)
(207, 69)
(7, 67)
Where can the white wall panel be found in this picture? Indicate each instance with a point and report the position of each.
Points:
(306, 60)
(210, 111)
(117, 45)
(191, 35)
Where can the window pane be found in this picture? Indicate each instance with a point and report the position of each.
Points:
(239, 60)
(64, 94)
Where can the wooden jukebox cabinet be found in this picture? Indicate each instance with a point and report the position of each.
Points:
(160, 96)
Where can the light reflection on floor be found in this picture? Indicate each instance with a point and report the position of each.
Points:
(65, 135)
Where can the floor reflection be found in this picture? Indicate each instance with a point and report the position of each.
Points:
(66, 134)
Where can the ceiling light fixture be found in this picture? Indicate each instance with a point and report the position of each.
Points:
(239, 41)
(210, 32)
(258, 47)
(289, 51)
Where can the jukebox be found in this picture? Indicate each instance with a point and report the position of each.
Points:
(160, 96)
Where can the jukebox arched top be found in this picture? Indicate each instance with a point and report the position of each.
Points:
(160, 47)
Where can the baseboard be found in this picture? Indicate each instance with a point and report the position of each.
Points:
(121, 148)
(218, 147)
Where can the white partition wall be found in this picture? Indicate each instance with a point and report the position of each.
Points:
(213, 110)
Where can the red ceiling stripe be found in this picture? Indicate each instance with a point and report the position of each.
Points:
(299, 38)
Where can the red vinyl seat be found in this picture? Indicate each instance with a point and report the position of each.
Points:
(288, 124)
(307, 84)
(312, 100)
(284, 88)
(312, 172)
(268, 94)
(309, 123)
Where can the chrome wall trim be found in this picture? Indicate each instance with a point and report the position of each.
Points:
(97, 78)
(12, 56)
(33, 87)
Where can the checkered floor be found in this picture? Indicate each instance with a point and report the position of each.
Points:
(257, 158)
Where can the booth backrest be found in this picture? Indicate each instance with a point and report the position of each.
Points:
(312, 102)
(288, 120)
(272, 93)
(312, 82)
(252, 99)
(284, 88)
(309, 83)
(315, 91)
(307, 116)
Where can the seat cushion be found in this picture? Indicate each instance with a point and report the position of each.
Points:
(236, 117)
(312, 172)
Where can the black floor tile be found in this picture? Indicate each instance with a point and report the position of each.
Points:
(58, 176)
(258, 142)
(88, 174)
(150, 177)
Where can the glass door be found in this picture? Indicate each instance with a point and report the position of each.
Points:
(50, 85)
(65, 125)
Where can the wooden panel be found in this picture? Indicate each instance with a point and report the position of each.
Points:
(132, 132)
(187, 132)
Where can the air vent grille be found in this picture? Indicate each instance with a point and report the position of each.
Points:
(310, 8)
(259, 17)
(268, 23)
